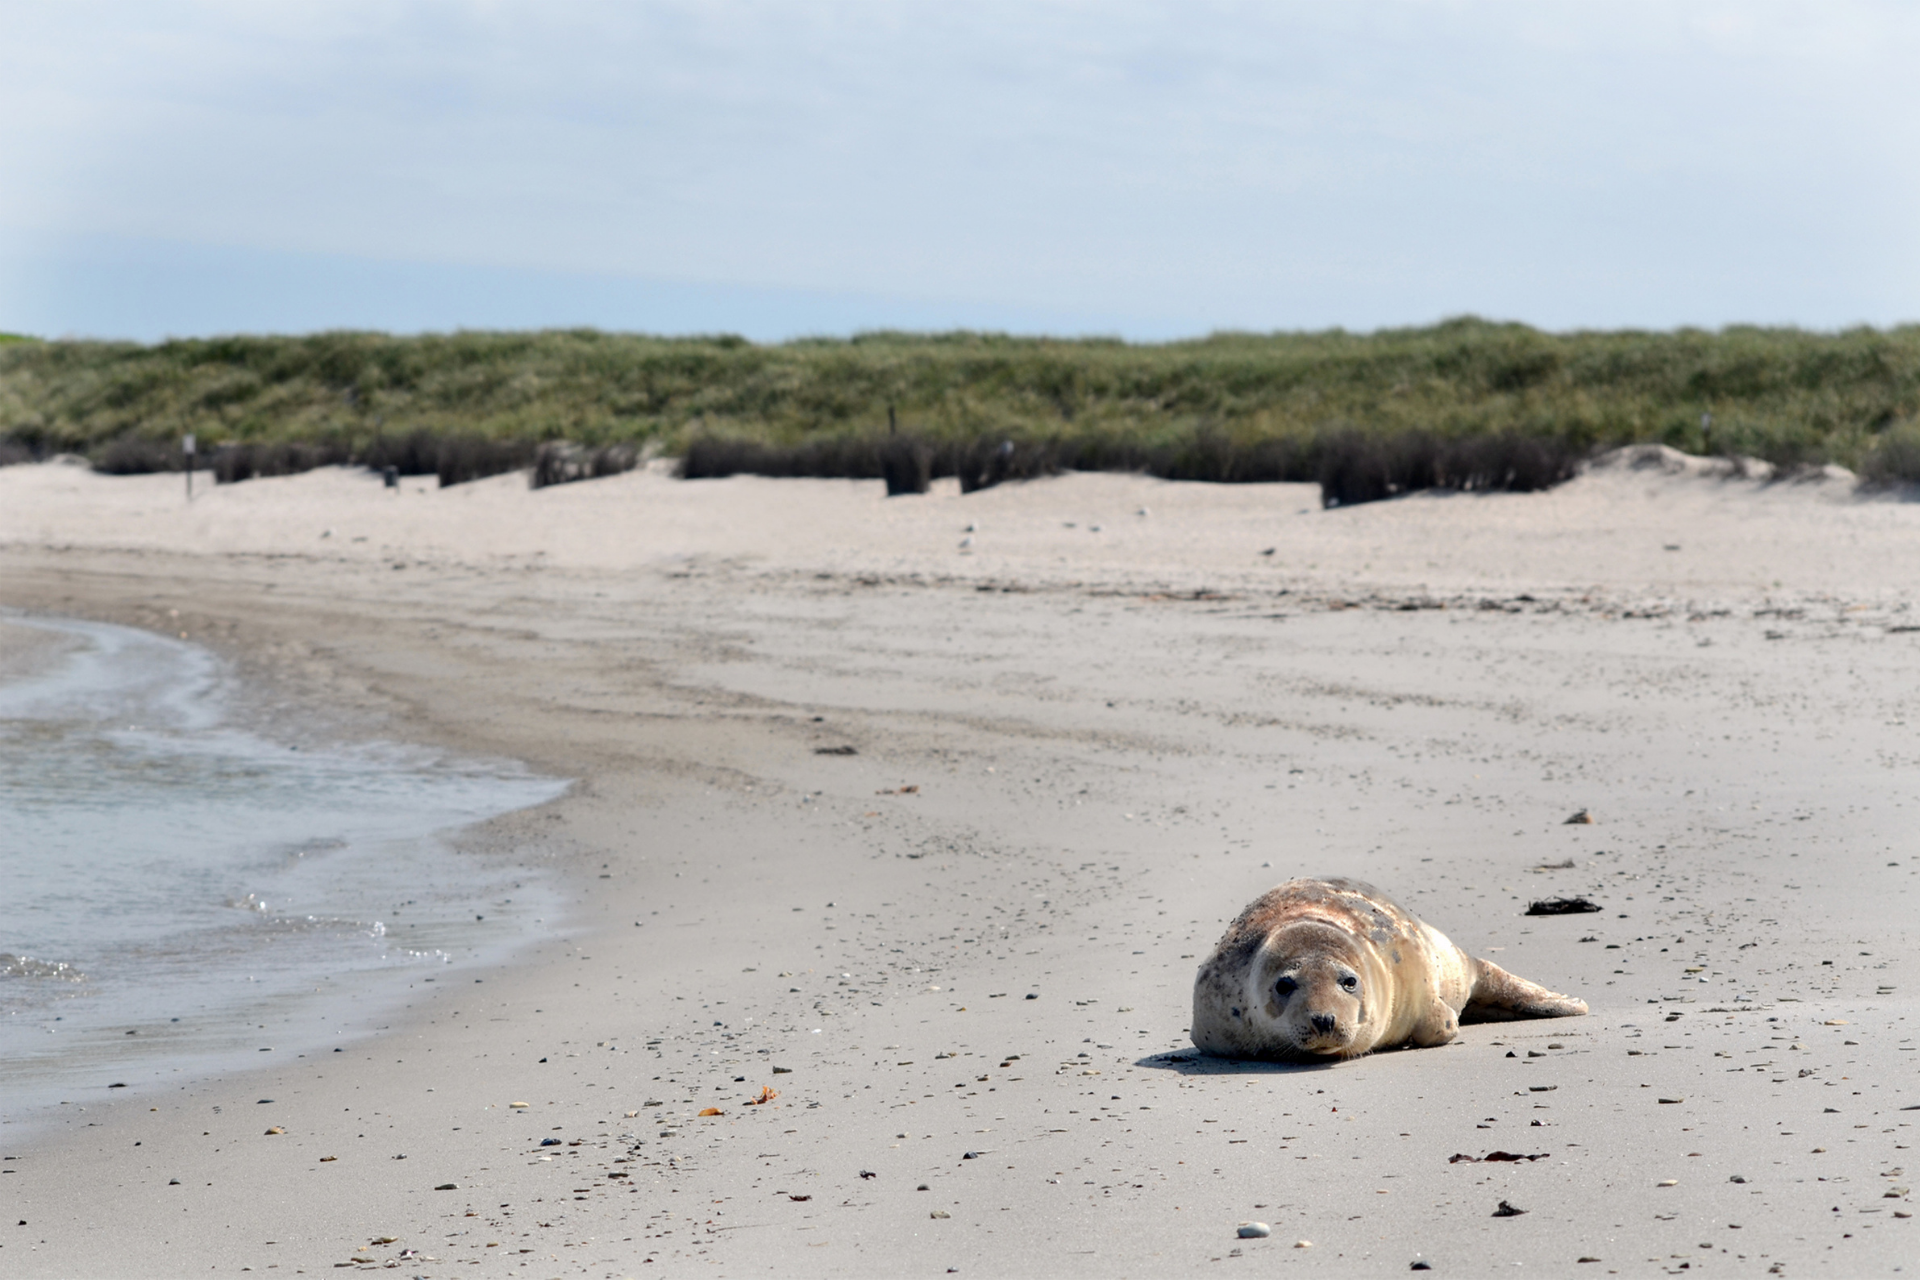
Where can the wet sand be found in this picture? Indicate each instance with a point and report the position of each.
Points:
(1109, 741)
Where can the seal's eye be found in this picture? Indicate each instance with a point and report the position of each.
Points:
(1285, 987)
(1350, 983)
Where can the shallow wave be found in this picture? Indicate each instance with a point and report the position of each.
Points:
(12, 966)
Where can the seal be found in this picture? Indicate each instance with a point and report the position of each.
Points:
(1319, 969)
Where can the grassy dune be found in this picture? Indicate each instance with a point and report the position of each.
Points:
(1232, 406)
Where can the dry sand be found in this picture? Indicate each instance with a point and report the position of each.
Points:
(1124, 718)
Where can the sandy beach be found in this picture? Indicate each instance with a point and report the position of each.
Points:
(917, 814)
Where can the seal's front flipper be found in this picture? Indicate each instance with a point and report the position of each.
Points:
(1498, 996)
(1437, 1027)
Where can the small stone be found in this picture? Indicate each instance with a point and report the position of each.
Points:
(447, 1186)
(1667, 1182)
(275, 1129)
(1254, 1231)
(519, 1106)
(173, 1182)
(1507, 1211)
(939, 1213)
(1581, 818)
(1303, 1244)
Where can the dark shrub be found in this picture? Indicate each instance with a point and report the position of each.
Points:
(415, 454)
(1507, 462)
(1357, 466)
(1895, 457)
(464, 458)
(455, 459)
(557, 462)
(1349, 464)
(235, 462)
(711, 457)
(987, 462)
(136, 456)
(907, 465)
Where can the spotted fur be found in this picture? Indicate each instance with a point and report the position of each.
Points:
(1319, 969)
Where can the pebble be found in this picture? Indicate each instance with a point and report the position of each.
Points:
(1303, 1244)
(939, 1213)
(519, 1106)
(1255, 1231)
(1667, 1182)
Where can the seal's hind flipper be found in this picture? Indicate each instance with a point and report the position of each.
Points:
(1498, 996)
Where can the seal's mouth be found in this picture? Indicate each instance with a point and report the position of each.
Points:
(1324, 1042)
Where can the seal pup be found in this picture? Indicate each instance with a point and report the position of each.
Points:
(1317, 969)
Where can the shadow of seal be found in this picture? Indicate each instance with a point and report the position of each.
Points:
(1320, 969)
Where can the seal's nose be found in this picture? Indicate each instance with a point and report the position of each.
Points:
(1323, 1023)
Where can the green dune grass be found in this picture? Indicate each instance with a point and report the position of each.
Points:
(1212, 405)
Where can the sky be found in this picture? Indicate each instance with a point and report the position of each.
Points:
(1145, 170)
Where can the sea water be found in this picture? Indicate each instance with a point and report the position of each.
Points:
(180, 894)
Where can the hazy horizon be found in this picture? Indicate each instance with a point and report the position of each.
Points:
(1133, 170)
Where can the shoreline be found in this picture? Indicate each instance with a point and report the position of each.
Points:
(331, 934)
(1171, 740)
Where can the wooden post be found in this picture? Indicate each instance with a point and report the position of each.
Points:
(186, 447)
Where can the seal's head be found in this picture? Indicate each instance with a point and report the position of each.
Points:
(1310, 987)
(1314, 970)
